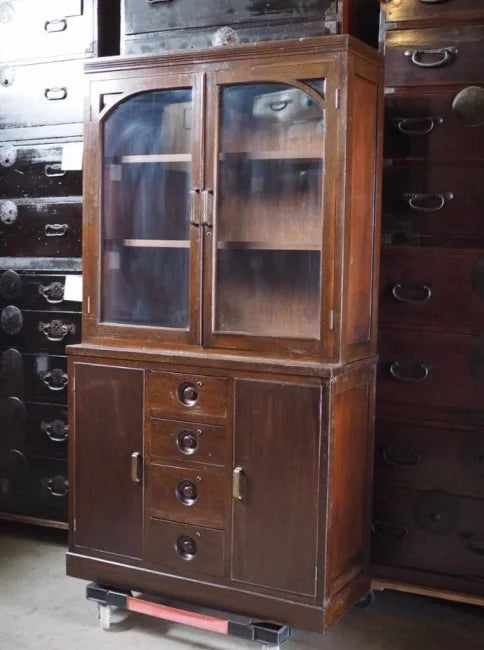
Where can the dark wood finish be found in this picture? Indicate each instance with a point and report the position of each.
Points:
(188, 442)
(433, 12)
(39, 330)
(109, 401)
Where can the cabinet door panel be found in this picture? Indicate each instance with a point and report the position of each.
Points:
(108, 420)
(275, 523)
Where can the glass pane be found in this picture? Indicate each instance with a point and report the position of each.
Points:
(269, 211)
(145, 225)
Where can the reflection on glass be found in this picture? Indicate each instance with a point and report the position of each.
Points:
(269, 216)
(145, 229)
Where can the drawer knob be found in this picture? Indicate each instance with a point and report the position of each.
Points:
(188, 394)
(187, 442)
(186, 547)
(187, 492)
(424, 289)
(409, 372)
(438, 57)
(428, 202)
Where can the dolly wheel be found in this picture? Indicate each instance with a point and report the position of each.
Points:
(367, 601)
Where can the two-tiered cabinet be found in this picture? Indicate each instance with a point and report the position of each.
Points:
(222, 400)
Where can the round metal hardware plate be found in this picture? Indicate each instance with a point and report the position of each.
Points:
(436, 512)
(8, 154)
(7, 76)
(188, 394)
(225, 36)
(7, 12)
(11, 320)
(10, 285)
(8, 212)
(468, 106)
(186, 492)
(186, 547)
(187, 442)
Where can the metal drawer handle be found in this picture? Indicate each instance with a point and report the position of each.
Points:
(237, 480)
(396, 367)
(389, 529)
(207, 211)
(443, 56)
(414, 458)
(52, 171)
(53, 293)
(55, 94)
(427, 293)
(194, 207)
(473, 543)
(55, 380)
(56, 25)
(416, 126)
(55, 229)
(55, 493)
(56, 330)
(279, 106)
(419, 202)
(136, 467)
(55, 430)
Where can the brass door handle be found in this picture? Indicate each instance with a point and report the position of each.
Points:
(237, 480)
(136, 467)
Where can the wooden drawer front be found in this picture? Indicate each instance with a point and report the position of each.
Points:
(455, 54)
(424, 124)
(187, 495)
(434, 200)
(36, 170)
(41, 228)
(40, 489)
(32, 290)
(140, 17)
(41, 94)
(205, 399)
(185, 441)
(177, 548)
(429, 369)
(430, 457)
(432, 288)
(33, 377)
(397, 10)
(432, 530)
(34, 331)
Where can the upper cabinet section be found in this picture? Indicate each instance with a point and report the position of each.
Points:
(217, 210)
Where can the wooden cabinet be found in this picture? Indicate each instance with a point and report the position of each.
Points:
(228, 336)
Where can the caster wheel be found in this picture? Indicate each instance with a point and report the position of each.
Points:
(367, 601)
(104, 615)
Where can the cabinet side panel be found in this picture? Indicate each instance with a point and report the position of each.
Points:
(277, 443)
(108, 423)
(361, 220)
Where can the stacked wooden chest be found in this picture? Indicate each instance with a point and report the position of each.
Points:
(428, 528)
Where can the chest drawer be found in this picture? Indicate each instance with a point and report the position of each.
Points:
(430, 370)
(435, 124)
(186, 441)
(192, 397)
(31, 290)
(41, 94)
(47, 28)
(41, 227)
(33, 377)
(439, 55)
(431, 530)
(187, 495)
(434, 201)
(36, 170)
(436, 289)
(33, 331)
(428, 457)
(399, 10)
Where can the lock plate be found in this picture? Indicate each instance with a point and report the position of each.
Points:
(8, 212)
(8, 154)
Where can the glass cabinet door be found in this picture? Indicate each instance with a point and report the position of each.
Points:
(145, 255)
(267, 251)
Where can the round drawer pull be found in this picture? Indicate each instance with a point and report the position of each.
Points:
(188, 394)
(186, 547)
(187, 442)
(186, 492)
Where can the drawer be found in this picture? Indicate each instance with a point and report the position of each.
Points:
(33, 331)
(434, 201)
(430, 370)
(36, 170)
(436, 124)
(180, 549)
(33, 377)
(431, 530)
(41, 227)
(41, 491)
(41, 94)
(193, 397)
(185, 441)
(32, 290)
(411, 454)
(397, 10)
(434, 289)
(187, 495)
(47, 28)
(438, 55)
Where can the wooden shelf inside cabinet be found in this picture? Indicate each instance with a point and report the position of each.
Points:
(273, 155)
(157, 158)
(157, 243)
(268, 246)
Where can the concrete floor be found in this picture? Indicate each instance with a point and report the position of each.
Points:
(42, 609)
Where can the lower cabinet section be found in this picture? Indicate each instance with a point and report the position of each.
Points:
(235, 481)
